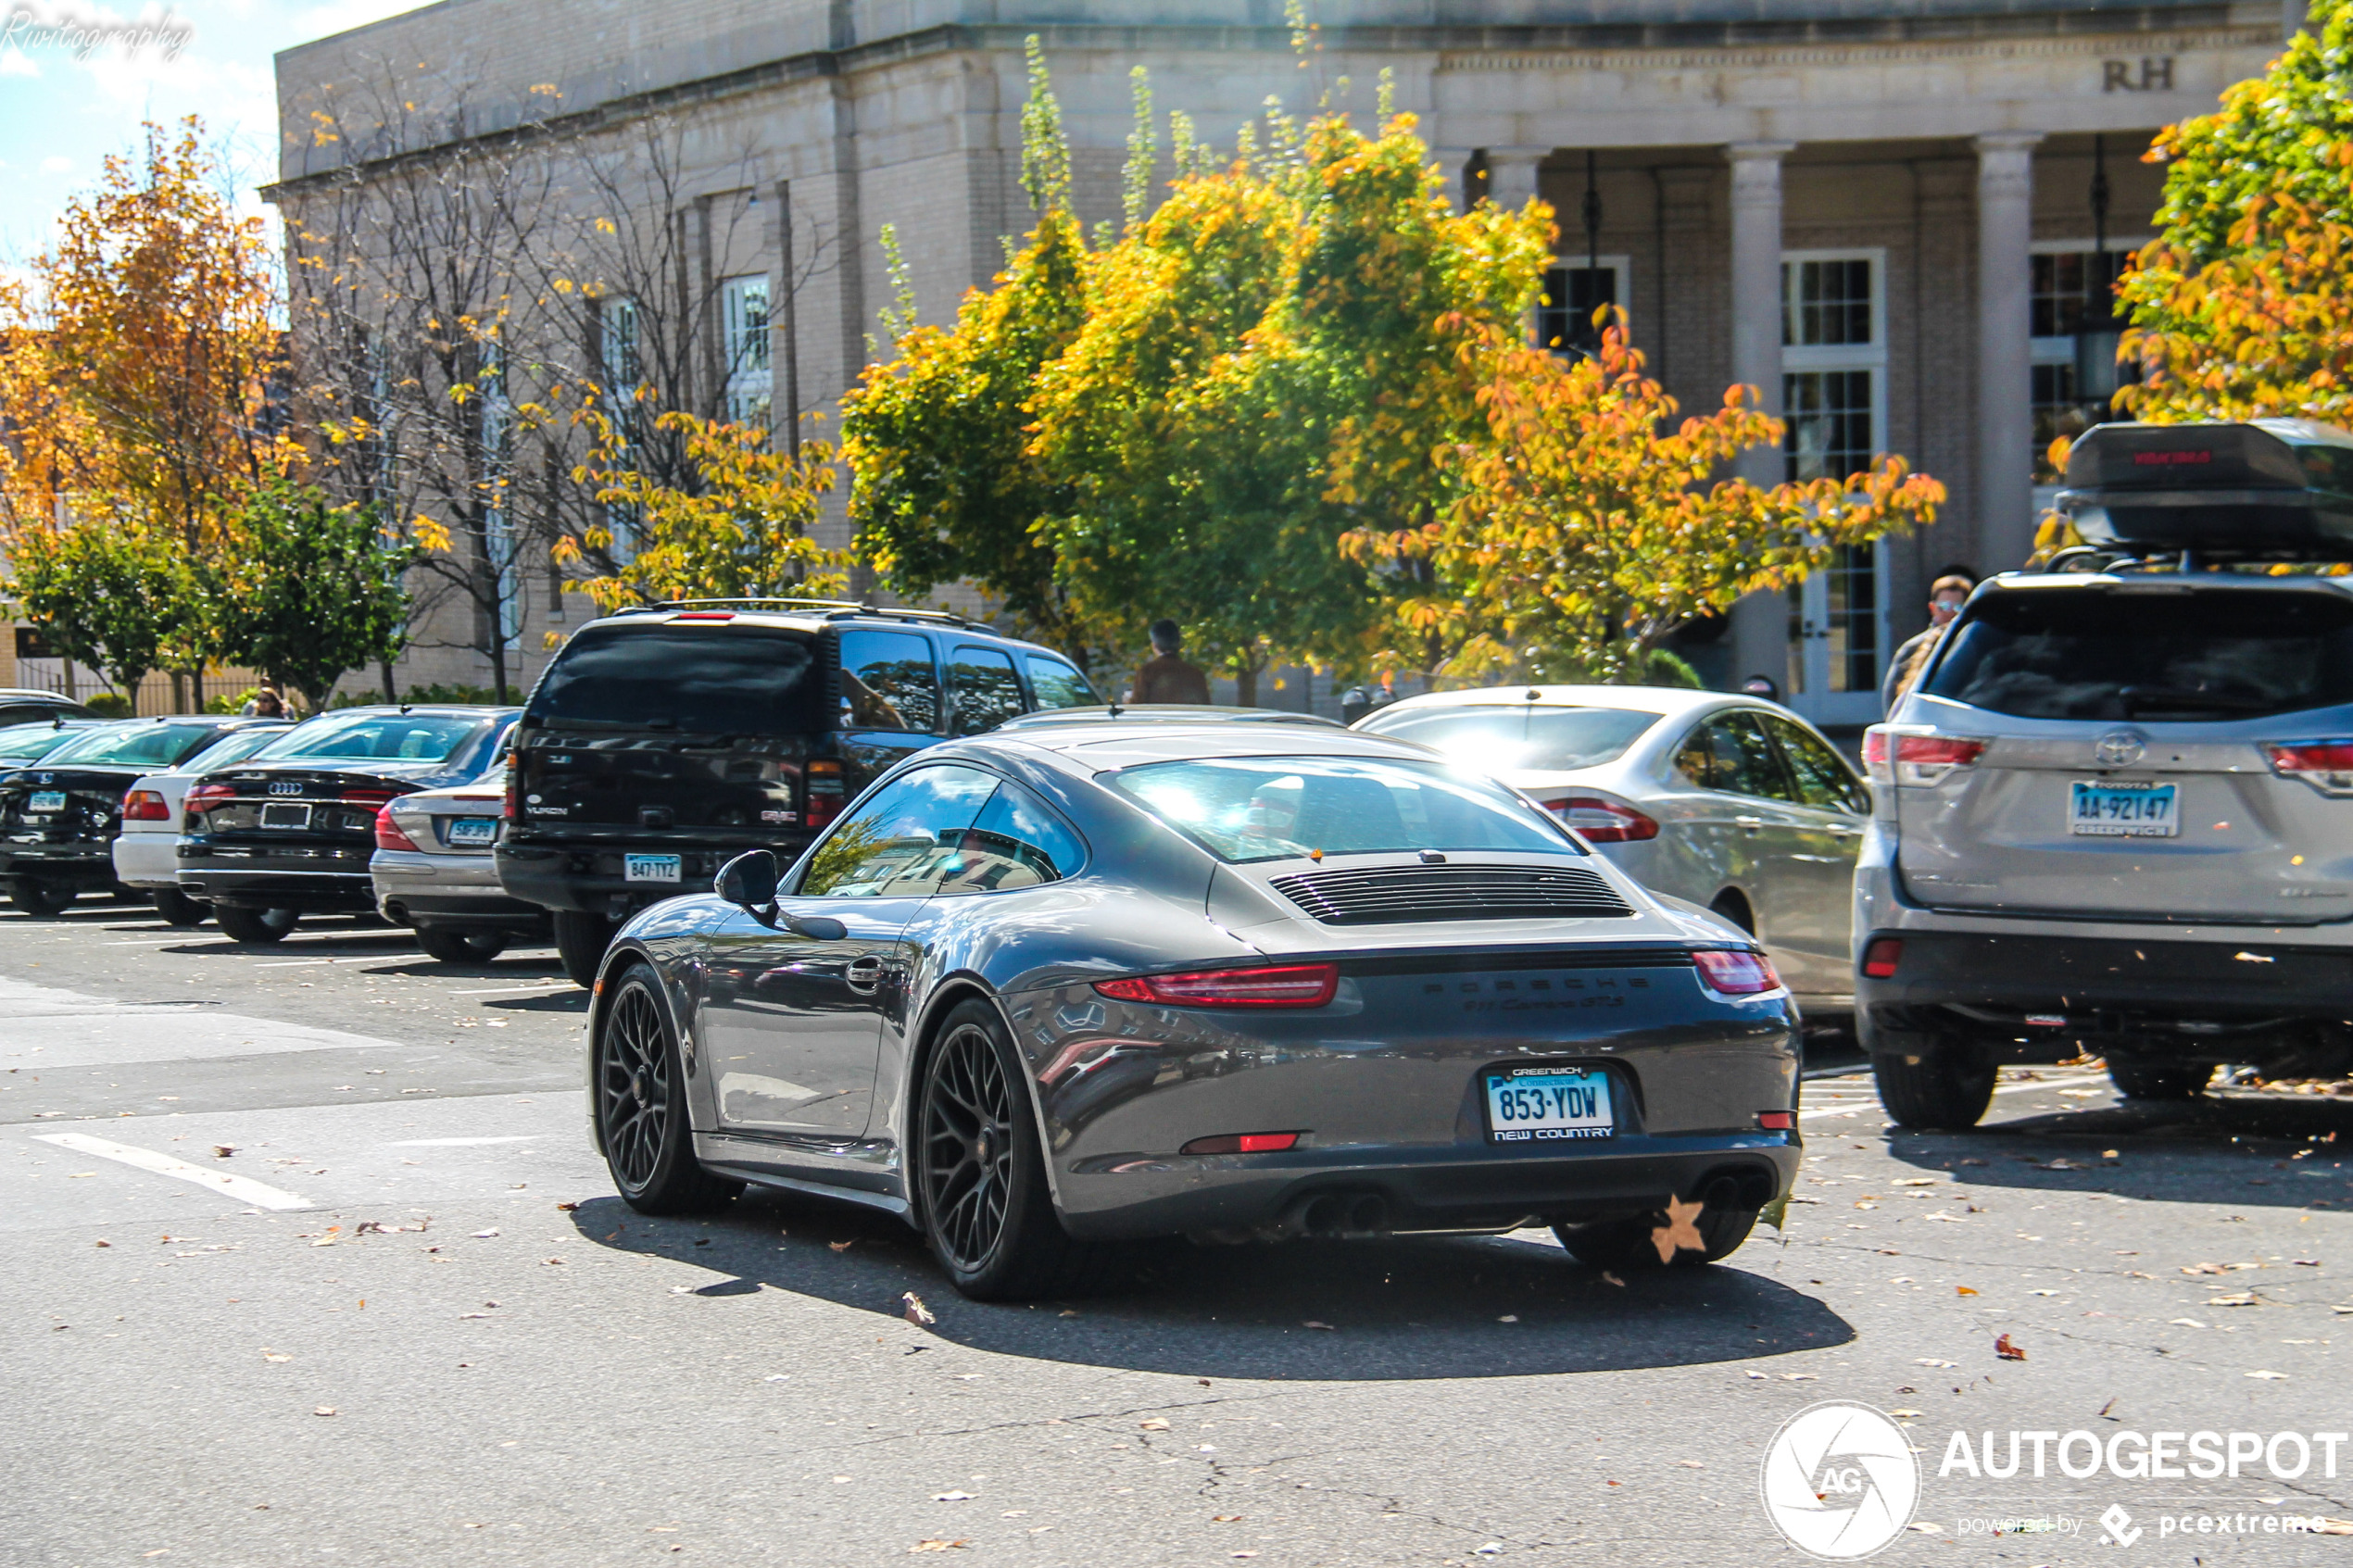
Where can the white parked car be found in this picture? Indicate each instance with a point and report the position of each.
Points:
(1732, 803)
(146, 849)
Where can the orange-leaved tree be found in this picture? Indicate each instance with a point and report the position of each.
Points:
(1591, 523)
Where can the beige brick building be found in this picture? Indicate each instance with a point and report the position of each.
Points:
(1881, 216)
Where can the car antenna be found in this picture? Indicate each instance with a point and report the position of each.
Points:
(1111, 710)
(405, 706)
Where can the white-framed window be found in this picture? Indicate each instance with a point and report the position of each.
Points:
(2054, 310)
(743, 314)
(499, 538)
(1575, 288)
(621, 356)
(1834, 406)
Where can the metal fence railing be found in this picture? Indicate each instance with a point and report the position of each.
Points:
(154, 696)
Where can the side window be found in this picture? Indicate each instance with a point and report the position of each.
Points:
(1739, 759)
(888, 683)
(1018, 842)
(985, 693)
(1059, 686)
(901, 841)
(1823, 777)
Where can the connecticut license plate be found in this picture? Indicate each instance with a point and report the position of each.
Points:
(650, 868)
(47, 800)
(1536, 1104)
(472, 830)
(2112, 810)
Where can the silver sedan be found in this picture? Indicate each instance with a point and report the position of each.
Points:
(1729, 802)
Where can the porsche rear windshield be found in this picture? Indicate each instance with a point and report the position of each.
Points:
(1244, 809)
(376, 738)
(134, 745)
(2100, 653)
(704, 678)
(1502, 736)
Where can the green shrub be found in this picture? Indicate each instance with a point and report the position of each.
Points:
(108, 704)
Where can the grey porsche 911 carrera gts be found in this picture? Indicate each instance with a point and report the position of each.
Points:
(1067, 985)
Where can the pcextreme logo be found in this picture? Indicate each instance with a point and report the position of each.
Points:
(1840, 1481)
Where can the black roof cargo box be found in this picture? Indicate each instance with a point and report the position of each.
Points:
(2269, 489)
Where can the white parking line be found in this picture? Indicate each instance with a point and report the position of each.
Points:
(519, 985)
(457, 1143)
(1855, 1106)
(244, 1189)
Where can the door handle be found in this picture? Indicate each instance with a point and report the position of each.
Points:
(1750, 824)
(862, 974)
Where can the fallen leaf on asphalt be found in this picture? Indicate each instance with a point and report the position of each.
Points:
(935, 1546)
(1152, 1423)
(916, 1312)
(1963, 1290)
(1931, 1360)
(2186, 1323)
(1311, 1322)
(1490, 1549)
(2306, 1262)
(2333, 1527)
(844, 1246)
(1225, 1519)
(2110, 1154)
(1903, 1412)
(325, 1410)
(2042, 1293)
(1508, 1317)
(485, 1236)
(1799, 1378)
(566, 1208)
(2008, 1350)
(2269, 1376)
(1918, 1181)
(223, 1150)
(2236, 1298)
(952, 1496)
(1613, 1279)
(1690, 1464)
(555, 1259)
(275, 1356)
(1926, 1529)
(1065, 1312)
(1759, 1377)
(102, 1244)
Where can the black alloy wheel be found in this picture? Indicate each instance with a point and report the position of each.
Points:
(641, 1107)
(39, 897)
(1928, 1079)
(264, 927)
(177, 908)
(987, 1212)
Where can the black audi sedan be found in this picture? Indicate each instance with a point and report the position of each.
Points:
(59, 813)
(288, 831)
(1072, 984)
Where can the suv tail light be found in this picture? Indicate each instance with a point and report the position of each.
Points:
(512, 810)
(1730, 971)
(204, 797)
(388, 833)
(1875, 756)
(145, 806)
(1603, 822)
(822, 791)
(2326, 765)
(1925, 760)
(1279, 985)
(1882, 957)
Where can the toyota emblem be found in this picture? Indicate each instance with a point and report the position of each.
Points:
(2120, 748)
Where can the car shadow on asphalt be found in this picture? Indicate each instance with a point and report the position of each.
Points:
(1394, 1309)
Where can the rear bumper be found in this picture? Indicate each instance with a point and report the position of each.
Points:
(593, 878)
(73, 863)
(254, 888)
(147, 860)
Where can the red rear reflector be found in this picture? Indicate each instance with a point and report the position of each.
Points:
(145, 806)
(388, 833)
(822, 793)
(1242, 1143)
(1777, 1121)
(1734, 972)
(1603, 822)
(1281, 985)
(1882, 957)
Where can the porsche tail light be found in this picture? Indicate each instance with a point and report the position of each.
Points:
(2326, 765)
(1242, 1143)
(1277, 986)
(1735, 972)
(1926, 759)
(822, 792)
(1778, 1120)
(145, 806)
(388, 833)
(205, 798)
(1882, 957)
(1604, 822)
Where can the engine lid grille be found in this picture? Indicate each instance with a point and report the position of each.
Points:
(1396, 894)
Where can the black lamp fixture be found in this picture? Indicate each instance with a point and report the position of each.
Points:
(2098, 333)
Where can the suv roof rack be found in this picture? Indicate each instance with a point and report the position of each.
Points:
(830, 609)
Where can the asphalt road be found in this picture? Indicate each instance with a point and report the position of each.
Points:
(418, 1327)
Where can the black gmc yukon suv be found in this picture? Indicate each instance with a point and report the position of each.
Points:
(664, 741)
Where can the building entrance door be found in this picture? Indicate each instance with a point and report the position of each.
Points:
(1838, 638)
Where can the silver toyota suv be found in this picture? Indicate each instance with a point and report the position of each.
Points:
(2115, 815)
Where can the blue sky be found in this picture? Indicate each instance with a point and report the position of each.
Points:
(59, 116)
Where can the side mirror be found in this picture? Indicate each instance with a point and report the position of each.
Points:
(749, 880)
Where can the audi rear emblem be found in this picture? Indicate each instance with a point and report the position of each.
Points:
(297, 789)
(2119, 748)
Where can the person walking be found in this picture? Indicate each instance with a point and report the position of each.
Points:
(1946, 597)
(1166, 676)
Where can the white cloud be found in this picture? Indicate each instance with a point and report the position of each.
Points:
(16, 62)
(55, 165)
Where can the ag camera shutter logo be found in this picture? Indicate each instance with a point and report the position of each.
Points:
(1840, 1481)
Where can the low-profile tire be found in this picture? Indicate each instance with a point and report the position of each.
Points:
(458, 943)
(980, 1171)
(263, 927)
(641, 1106)
(177, 908)
(581, 941)
(39, 897)
(2159, 1080)
(1630, 1243)
(1929, 1080)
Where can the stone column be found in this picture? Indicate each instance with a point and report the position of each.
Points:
(1760, 622)
(1510, 175)
(2004, 372)
(1451, 163)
